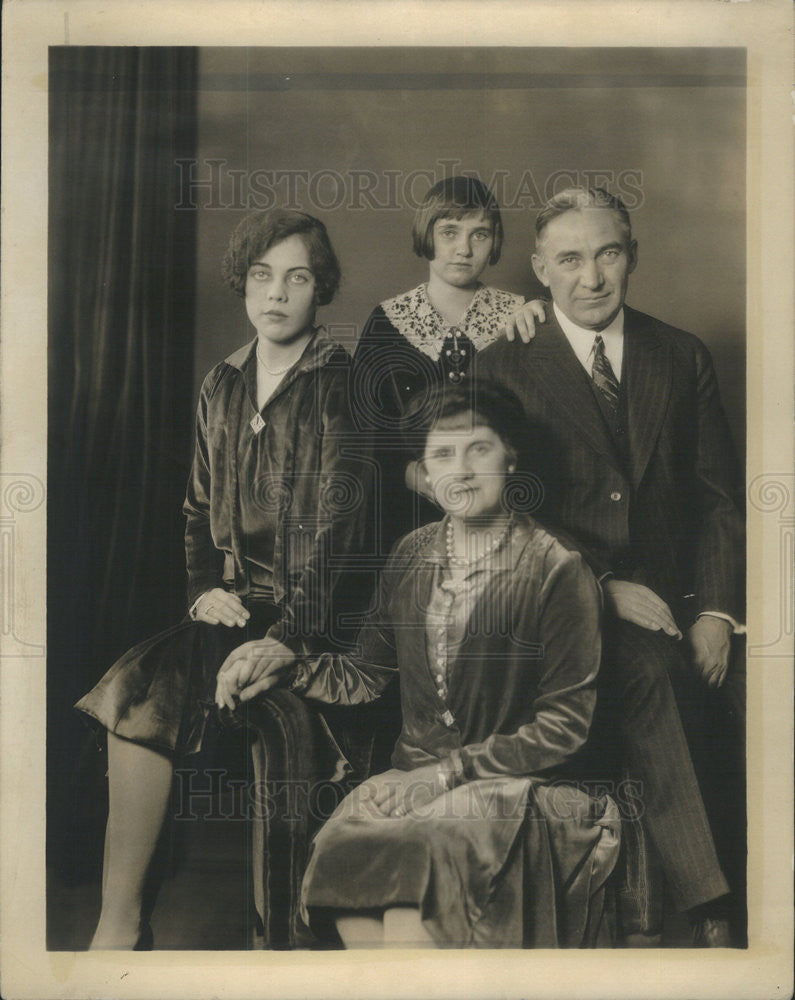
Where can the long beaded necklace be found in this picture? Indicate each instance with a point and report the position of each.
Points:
(491, 548)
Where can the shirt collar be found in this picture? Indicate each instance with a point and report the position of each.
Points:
(582, 340)
(315, 354)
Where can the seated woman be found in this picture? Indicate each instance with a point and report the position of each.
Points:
(263, 513)
(431, 333)
(474, 838)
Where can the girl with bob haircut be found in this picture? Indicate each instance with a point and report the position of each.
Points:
(431, 334)
(271, 492)
(477, 836)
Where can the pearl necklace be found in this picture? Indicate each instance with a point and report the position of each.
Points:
(277, 371)
(492, 547)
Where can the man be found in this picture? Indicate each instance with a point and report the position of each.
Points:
(647, 483)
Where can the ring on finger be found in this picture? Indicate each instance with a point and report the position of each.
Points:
(399, 811)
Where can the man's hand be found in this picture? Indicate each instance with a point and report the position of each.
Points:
(635, 603)
(710, 641)
(251, 669)
(523, 322)
(219, 607)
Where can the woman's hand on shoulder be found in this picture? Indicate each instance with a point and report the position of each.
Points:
(250, 669)
(219, 607)
(524, 321)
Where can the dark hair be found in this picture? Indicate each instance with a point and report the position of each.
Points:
(577, 198)
(484, 402)
(257, 233)
(453, 198)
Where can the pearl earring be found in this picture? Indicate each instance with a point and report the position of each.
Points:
(511, 468)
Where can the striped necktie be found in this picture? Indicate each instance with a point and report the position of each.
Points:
(603, 374)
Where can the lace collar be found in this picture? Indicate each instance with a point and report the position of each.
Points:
(415, 318)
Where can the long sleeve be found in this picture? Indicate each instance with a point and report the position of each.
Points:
(570, 638)
(203, 561)
(327, 582)
(719, 563)
(347, 679)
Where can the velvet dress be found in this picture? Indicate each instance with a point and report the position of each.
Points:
(277, 501)
(497, 680)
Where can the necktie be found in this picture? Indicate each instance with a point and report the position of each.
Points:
(603, 374)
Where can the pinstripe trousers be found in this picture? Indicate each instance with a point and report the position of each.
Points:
(637, 696)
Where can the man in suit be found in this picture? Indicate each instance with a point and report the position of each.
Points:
(648, 486)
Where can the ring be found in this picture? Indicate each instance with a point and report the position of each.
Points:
(399, 811)
(209, 608)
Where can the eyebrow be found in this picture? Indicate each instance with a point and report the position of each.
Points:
(299, 267)
(485, 226)
(577, 253)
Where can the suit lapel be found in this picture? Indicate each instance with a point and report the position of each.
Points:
(647, 371)
(563, 380)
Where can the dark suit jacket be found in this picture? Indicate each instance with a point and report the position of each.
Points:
(670, 516)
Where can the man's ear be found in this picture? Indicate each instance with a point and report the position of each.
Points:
(632, 254)
(540, 268)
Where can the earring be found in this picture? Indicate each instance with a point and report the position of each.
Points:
(511, 468)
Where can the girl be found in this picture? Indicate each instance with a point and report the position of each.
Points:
(270, 495)
(431, 333)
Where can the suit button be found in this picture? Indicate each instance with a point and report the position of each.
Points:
(615, 496)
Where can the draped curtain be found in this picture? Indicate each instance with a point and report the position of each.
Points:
(121, 327)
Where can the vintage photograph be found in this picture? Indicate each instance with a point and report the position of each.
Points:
(405, 486)
(428, 630)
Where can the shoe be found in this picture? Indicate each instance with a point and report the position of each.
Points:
(711, 932)
(146, 939)
(642, 940)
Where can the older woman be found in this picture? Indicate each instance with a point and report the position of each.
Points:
(272, 492)
(474, 837)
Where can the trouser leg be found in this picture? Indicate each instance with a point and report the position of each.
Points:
(636, 684)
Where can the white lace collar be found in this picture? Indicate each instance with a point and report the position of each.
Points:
(415, 318)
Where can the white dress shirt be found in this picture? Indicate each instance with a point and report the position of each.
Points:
(582, 341)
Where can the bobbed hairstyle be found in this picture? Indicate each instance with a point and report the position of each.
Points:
(453, 198)
(578, 198)
(257, 233)
(469, 404)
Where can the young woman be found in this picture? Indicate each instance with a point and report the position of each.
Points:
(264, 510)
(474, 838)
(431, 333)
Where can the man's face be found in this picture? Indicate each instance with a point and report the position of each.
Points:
(585, 259)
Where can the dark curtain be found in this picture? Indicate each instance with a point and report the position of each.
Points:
(121, 290)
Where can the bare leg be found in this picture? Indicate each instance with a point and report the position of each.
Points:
(403, 929)
(140, 788)
(360, 930)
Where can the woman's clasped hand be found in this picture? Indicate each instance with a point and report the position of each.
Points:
(252, 669)
(400, 793)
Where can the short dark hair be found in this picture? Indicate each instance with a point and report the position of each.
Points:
(453, 198)
(577, 198)
(259, 232)
(483, 401)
